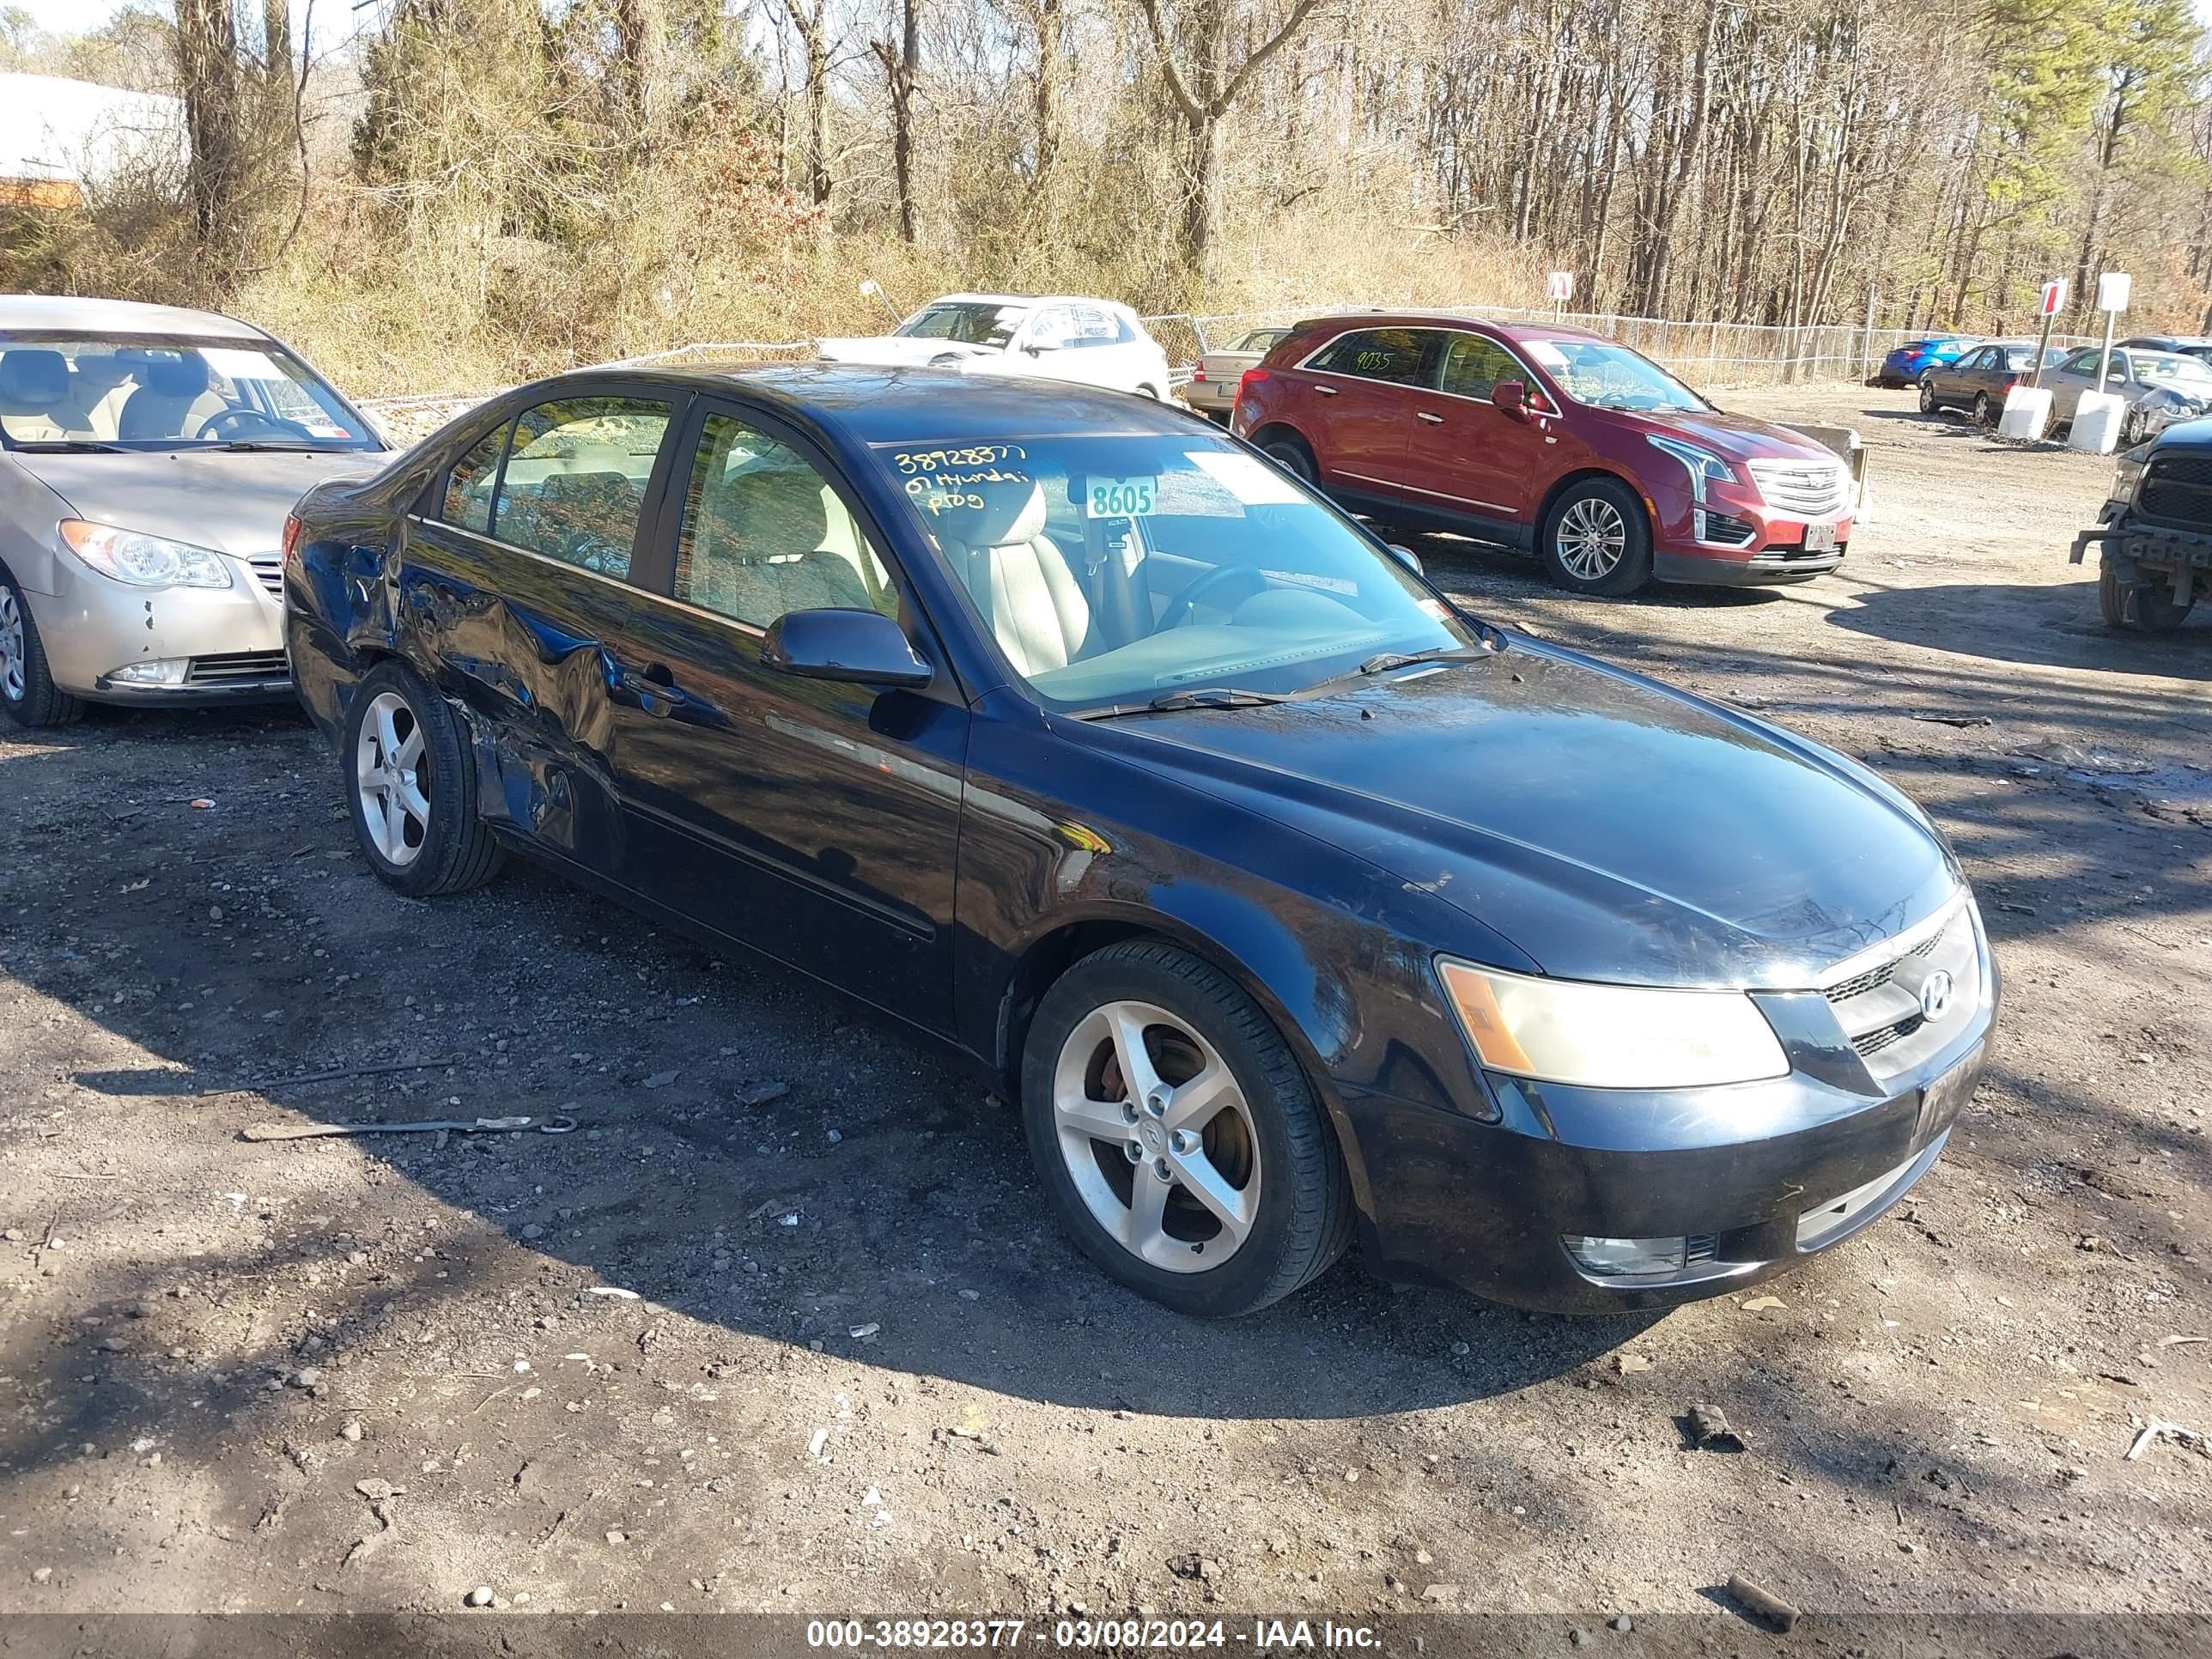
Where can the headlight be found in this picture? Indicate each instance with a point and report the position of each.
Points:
(1611, 1036)
(1702, 464)
(143, 560)
(2127, 472)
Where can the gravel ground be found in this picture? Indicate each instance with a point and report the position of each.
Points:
(783, 1327)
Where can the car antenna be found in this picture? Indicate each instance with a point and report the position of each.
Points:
(870, 288)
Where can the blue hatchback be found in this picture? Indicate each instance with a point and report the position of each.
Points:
(1904, 366)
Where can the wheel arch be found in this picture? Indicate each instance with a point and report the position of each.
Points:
(1585, 475)
(1052, 952)
(1261, 436)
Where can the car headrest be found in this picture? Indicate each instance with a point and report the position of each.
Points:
(776, 510)
(31, 376)
(181, 375)
(1010, 513)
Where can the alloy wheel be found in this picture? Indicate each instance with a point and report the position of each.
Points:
(1157, 1137)
(394, 789)
(1591, 538)
(12, 683)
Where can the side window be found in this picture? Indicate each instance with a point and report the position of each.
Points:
(2083, 362)
(1053, 327)
(1473, 366)
(576, 480)
(1395, 354)
(764, 534)
(469, 486)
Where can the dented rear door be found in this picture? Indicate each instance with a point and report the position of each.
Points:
(515, 598)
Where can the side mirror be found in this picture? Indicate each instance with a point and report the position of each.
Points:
(1406, 556)
(862, 647)
(2116, 374)
(1511, 397)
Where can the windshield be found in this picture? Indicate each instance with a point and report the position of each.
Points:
(1113, 570)
(1611, 376)
(2174, 367)
(168, 392)
(968, 322)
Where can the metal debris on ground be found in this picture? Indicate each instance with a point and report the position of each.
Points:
(549, 1126)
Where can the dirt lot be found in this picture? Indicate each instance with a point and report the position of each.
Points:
(854, 1368)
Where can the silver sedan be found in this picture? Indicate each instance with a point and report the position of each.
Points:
(2158, 387)
(148, 457)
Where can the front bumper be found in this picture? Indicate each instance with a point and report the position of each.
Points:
(1733, 537)
(1485, 1208)
(229, 640)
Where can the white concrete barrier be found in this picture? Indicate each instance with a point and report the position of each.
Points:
(2097, 421)
(2027, 413)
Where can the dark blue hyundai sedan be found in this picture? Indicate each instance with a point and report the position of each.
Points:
(1285, 898)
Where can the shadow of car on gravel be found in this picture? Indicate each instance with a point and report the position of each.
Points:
(2048, 626)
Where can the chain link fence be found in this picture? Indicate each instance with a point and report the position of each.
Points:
(1712, 355)
(1708, 354)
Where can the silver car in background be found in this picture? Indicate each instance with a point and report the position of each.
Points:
(2158, 387)
(148, 457)
(1213, 378)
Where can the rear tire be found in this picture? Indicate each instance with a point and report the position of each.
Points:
(2138, 607)
(1930, 402)
(410, 786)
(1596, 540)
(1985, 413)
(1256, 1139)
(28, 691)
(1289, 452)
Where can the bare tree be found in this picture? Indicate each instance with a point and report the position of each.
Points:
(901, 66)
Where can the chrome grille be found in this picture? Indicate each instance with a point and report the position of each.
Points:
(269, 570)
(1878, 1002)
(1811, 490)
(239, 668)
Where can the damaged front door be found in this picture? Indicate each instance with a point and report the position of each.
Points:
(812, 820)
(515, 598)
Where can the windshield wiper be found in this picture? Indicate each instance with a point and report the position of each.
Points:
(304, 445)
(1211, 696)
(1390, 659)
(69, 447)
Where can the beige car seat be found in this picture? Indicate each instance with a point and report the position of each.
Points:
(1022, 583)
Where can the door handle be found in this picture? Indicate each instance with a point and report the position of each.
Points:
(1324, 391)
(653, 686)
(1423, 414)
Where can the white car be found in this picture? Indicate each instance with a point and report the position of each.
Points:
(1052, 338)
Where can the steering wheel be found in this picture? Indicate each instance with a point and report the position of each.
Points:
(1184, 606)
(223, 417)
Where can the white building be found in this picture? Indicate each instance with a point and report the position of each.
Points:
(58, 135)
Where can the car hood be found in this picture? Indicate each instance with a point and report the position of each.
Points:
(1735, 437)
(233, 501)
(1609, 827)
(899, 351)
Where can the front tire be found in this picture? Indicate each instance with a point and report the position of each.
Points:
(2138, 607)
(1596, 540)
(1178, 1139)
(410, 789)
(28, 691)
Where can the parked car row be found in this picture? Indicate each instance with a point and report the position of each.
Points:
(2157, 387)
(1290, 901)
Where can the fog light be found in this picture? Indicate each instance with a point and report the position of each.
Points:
(155, 671)
(1627, 1257)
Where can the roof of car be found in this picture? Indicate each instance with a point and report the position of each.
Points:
(930, 405)
(1020, 299)
(60, 314)
(1531, 329)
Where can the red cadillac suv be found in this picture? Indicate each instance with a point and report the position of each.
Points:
(1549, 439)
